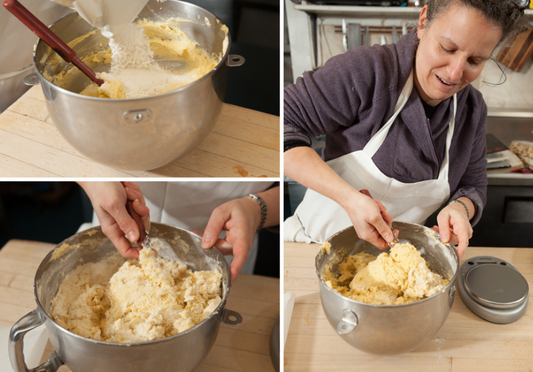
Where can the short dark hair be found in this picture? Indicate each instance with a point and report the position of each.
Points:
(503, 13)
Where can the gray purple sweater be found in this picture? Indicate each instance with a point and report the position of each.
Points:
(354, 94)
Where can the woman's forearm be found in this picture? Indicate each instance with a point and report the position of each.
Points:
(271, 198)
(303, 165)
(306, 167)
(470, 209)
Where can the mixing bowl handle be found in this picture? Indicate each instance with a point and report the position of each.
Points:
(235, 60)
(137, 116)
(16, 345)
(31, 79)
(348, 323)
(231, 317)
(451, 295)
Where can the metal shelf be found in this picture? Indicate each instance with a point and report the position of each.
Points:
(365, 11)
(510, 113)
(510, 179)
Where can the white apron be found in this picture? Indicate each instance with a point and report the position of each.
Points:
(189, 205)
(318, 217)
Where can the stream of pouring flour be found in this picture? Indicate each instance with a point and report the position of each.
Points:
(137, 50)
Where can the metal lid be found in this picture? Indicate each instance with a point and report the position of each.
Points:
(496, 285)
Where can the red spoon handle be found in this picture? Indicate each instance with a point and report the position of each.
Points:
(43, 32)
(87, 70)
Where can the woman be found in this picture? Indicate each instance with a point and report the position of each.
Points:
(401, 121)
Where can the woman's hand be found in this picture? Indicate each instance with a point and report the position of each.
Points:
(369, 218)
(454, 225)
(305, 166)
(109, 203)
(240, 218)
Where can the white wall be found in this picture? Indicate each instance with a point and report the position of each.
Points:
(516, 92)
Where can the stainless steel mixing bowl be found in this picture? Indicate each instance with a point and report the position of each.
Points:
(142, 133)
(388, 330)
(181, 352)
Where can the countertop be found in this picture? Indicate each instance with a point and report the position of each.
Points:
(510, 179)
(244, 143)
(242, 348)
(464, 343)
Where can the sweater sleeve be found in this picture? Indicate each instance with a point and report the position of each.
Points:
(473, 183)
(339, 93)
(319, 102)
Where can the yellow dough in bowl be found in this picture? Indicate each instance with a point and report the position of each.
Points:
(139, 54)
(403, 276)
(147, 58)
(135, 301)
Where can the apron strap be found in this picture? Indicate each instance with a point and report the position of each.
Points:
(443, 174)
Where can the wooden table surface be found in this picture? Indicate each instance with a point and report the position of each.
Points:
(242, 348)
(244, 143)
(464, 343)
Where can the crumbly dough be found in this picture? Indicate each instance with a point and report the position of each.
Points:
(146, 59)
(403, 276)
(135, 301)
(524, 150)
(134, 71)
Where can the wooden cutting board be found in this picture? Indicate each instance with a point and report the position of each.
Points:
(464, 343)
(243, 143)
(516, 56)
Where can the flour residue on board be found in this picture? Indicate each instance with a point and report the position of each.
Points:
(241, 171)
